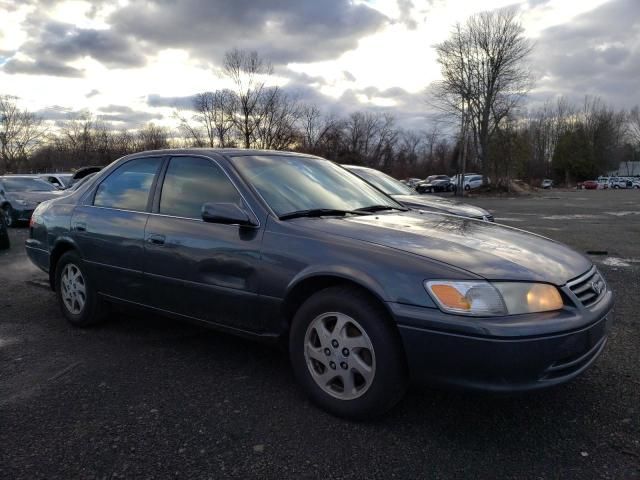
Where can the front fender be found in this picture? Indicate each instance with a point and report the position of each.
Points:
(340, 271)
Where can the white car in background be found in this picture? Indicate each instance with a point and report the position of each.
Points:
(619, 182)
(60, 180)
(471, 181)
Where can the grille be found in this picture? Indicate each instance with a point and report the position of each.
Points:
(588, 288)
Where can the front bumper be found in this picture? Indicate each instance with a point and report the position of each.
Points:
(524, 355)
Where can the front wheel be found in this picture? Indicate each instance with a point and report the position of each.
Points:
(346, 354)
(467, 187)
(77, 296)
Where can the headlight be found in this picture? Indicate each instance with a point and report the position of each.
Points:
(485, 299)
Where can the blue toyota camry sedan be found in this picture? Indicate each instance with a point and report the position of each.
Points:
(366, 293)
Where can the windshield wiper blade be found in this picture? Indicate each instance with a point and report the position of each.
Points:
(378, 208)
(318, 212)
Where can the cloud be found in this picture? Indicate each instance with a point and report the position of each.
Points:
(597, 53)
(41, 67)
(282, 30)
(405, 7)
(185, 102)
(51, 45)
(129, 120)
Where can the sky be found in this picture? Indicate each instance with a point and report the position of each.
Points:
(136, 61)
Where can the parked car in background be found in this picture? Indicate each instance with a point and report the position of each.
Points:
(20, 195)
(410, 198)
(80, 182)
(434, 183)
(4, 235)
(411, 182)
(547, 183)
(295, 249)
(588, 185)
(60, 180)
(620, 182)
(83, 172)
(635, 183)
(471, 181)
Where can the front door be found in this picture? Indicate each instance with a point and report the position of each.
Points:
(203, 270)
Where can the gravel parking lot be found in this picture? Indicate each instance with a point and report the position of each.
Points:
(143, 396)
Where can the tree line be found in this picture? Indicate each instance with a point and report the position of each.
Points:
(483, 126)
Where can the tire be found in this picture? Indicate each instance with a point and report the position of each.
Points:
(467, 187)
(9, 216)
(5, 243)
(616, 187)
(79, 302)
(321, 361)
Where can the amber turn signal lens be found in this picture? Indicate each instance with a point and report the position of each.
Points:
(450, 297)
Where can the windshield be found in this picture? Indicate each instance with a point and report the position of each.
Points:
(291, 184)
(22, 184)
(384, 182)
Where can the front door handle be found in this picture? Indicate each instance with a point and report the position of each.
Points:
(80, 227)
(155, 239)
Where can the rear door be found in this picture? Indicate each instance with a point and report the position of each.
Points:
(203, 270)
(109, 228)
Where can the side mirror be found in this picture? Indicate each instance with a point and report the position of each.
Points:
(227, 214)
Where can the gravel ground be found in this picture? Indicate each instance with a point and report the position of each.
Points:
(143, 396)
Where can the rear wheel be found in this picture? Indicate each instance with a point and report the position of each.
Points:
(77, 296)
(346, 354)
(467, 187)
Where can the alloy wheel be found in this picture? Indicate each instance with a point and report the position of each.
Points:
(74, 291)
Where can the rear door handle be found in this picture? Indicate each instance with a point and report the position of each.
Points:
(155, 239)
(80, 227)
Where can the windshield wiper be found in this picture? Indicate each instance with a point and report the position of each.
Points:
(378, 208)
(319, 212)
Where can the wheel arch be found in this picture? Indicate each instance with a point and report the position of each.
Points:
(62, 246)
(303, 287)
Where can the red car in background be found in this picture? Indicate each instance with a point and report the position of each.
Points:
(587, 185)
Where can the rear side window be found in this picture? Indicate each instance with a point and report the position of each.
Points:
(191, 182)
(128, 187)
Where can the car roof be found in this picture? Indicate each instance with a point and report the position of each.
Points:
(226, 152)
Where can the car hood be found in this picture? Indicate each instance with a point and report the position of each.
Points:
(440, 204)
(33, 197)
(495, 252)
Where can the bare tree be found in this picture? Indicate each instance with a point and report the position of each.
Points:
(152, 137)
(278, 119)
(315, 128)
(21, 133)
(248, 73)
(485, 76)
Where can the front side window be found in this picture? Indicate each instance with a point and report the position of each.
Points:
(291, 183)
(128, 187)
(191, 182)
